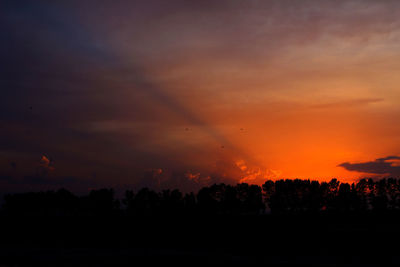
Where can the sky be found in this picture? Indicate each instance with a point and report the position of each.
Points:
(184, 94)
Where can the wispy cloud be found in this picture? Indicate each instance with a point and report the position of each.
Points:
(349, 103)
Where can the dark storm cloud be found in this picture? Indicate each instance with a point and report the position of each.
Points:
(379, 166)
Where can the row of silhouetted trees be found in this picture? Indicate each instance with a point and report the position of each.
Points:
(297, 196)
(278, 197)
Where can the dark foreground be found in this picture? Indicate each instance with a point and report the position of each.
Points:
(324, 240)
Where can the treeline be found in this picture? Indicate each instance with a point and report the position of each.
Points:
(278, 197)
(299, 196)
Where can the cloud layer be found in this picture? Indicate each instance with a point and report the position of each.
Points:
(117, 89)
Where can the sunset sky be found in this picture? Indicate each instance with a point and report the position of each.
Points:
(187, 93)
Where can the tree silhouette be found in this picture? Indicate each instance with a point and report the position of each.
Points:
(280, 197)
(100, 202)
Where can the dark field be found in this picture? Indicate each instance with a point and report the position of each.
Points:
(325, 240)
